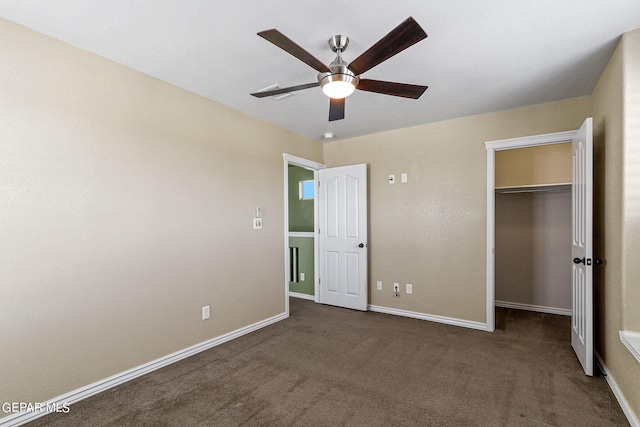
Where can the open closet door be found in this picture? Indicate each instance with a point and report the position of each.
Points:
(342, 197)
(582, 246)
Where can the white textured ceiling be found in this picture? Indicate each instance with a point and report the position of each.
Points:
(480, 56)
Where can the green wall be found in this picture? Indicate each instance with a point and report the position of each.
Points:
(301, 220)
(300, 211)
(305, 265)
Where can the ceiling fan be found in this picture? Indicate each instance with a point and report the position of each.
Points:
(340, 79)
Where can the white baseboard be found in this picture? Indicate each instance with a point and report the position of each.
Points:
(613, 385)
(77, 395)
(302, 296)
(537, 308)
(430, 317)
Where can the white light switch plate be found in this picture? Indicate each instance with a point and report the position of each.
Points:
(409, 288)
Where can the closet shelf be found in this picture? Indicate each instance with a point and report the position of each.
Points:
(565, 186)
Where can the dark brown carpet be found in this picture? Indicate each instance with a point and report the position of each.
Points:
(327, 366)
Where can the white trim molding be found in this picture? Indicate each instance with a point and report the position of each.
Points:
(613, 385)
(302, 296)
(492, 147)
(536, 308)
(531, 141)
(82, 393)
(430, 317)
(302, 234)
(299, 161)
(631, 340)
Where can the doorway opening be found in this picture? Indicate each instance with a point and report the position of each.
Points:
(533, 228)
(300, 225)
(493, 147)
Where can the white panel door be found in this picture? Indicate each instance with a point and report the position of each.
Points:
(342, 247)
(582, 247)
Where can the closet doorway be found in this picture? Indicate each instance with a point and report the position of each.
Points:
(533, 228)
(492, 148)
(580, 260)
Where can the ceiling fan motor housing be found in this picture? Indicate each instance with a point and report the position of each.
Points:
(339, 76)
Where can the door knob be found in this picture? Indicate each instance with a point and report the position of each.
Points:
(361, 245)
(578, 260)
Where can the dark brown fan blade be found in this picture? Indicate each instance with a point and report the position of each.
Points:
(403, 36)
(404, 90)
(274, 92)
(288, 45)
(336, 109)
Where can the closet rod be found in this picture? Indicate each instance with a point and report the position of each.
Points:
(547, 188)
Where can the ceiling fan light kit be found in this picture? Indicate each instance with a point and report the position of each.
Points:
(340, 79)
(340, 82)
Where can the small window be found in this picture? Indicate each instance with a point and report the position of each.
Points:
(307, 190)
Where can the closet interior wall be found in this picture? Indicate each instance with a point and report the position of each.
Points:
(533, 228)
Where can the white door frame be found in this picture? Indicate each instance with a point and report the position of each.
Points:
(492, 147)
(314, 166)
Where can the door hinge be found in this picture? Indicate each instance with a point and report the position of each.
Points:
(319, 280)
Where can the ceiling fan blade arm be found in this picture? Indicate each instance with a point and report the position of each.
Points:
(404, 90)
(274, 92)
(403, 36)
(336, 109)
(285, 43)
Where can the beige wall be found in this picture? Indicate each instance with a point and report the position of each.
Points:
(127, 205)
(617, 231)
(431, 231)
(543, 165)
